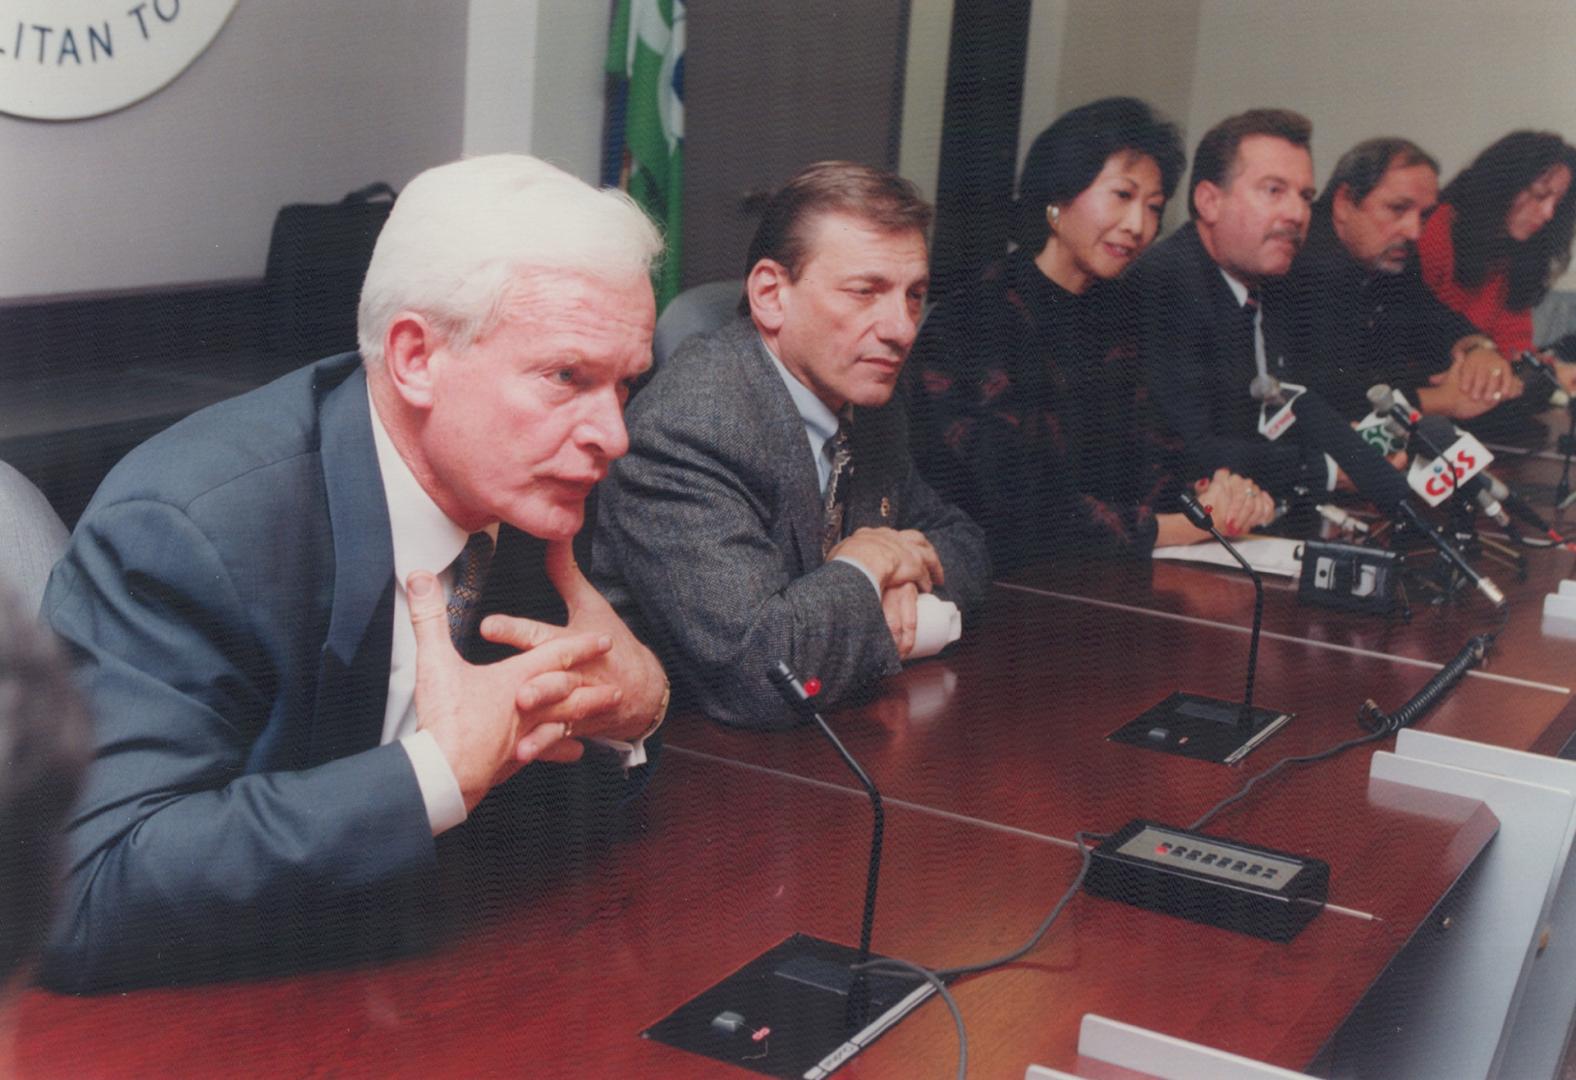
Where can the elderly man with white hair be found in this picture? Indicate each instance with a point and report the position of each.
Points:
(281, 607)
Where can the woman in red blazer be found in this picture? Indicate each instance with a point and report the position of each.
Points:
(1502, 234)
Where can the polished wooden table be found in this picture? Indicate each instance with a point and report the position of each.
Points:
(991, 758)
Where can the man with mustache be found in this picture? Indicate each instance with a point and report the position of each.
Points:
(300, 615)
(1362, 313)
(1207, 325)
(768, 508)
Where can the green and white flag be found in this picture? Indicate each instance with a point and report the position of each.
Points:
(646, 49)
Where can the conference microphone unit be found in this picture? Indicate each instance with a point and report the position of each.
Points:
(1195, 725)
(806, 998)
(1201, 518)
(1374, 478)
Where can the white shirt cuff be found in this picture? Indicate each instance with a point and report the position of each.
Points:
(937, 624)
(1331, 471)
(440, 791)
(631, 754)
(874, 584)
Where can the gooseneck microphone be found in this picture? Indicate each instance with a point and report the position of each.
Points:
(1201, 518)
(798, 698)
(1373, 477)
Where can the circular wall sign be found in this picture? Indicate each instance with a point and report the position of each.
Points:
(68, 59)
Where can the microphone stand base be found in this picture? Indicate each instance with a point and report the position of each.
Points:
(803, 994)
(1202, 728)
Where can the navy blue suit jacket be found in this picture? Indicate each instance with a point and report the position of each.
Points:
(229, 596)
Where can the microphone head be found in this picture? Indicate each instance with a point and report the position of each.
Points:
(781, 675)
(1437, 430)
(1325, 429)
(1195, 512)
(1381, 397)
(1265, 388)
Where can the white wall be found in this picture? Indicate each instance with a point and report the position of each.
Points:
(296, 100)
(1081, 50)
(570, 91)
(1042, 74)
(534, 81)
(925, 92)
(1453, 75)
(500, 90)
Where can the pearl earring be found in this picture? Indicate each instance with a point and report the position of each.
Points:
(1056, 214)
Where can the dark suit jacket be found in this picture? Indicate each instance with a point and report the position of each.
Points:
(229, 596)
(1352, 328)
(1197, 354)
(709, 533)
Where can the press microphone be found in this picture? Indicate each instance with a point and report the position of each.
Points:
(1266, 390)
(1528, 367)
(1391, 414)
(1372, 475)
(1274, 398)
(1436, 434)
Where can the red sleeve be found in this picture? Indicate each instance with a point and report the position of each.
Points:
(1483, 306)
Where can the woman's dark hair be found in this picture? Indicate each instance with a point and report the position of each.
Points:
(1482, 193)
(1069, 154)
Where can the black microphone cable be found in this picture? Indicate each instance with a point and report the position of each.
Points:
(1378, 724)
(1472, 653)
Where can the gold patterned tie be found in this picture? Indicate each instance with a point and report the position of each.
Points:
(841, 453)
(470, 574)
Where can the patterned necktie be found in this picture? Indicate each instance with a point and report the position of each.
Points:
(470, 573)
(838, 449)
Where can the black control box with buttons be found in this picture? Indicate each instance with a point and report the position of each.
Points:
(1252, 890)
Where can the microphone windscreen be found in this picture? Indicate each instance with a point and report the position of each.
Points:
(1265, 388)
(1436, 430)
(1373, 476)
(1381, 398)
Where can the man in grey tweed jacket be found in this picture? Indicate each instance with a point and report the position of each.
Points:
(715, 534)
